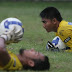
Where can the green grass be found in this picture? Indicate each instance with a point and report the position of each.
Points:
(35, 36)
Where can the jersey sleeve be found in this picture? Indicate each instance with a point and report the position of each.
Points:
(9, 64)
(66, 36)
(13, 64)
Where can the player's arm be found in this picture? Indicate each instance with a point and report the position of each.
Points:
(4, 56)
(6, 38)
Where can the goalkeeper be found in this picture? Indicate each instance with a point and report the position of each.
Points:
(26, 59)
(53, 22)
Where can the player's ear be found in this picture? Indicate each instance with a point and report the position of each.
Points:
(54, 20)
(31, 63)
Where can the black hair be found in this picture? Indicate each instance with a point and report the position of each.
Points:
(39, 65)
(21, 51)
(50, 13)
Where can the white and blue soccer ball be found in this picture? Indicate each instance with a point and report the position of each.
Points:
(8, 24)
(58, 43)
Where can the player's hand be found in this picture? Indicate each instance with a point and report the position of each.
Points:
(9, 36)
(12, 36)
(51, 47)
(18, 36)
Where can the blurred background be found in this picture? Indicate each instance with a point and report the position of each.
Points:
(32, 0)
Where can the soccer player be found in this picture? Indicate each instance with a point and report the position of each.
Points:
(53, 21)
(26, 59)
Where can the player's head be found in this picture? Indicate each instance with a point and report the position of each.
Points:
(34, 60)
(50, 13)
(50, 18)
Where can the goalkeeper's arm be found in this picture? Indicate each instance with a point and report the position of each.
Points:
(4, 56)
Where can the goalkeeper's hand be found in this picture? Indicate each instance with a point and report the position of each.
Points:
(11, 36)
(51, 47)
(18, 36)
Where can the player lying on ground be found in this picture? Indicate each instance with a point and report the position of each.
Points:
(53, 22)
(26, 59)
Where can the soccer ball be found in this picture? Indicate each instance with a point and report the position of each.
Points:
(9, 23)
(58, 43)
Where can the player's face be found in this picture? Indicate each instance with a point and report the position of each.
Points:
(48, 24)
(32, 54)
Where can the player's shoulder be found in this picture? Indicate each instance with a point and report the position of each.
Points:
(63, 23)
(12, 55)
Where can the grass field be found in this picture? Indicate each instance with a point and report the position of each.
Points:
(35, 36)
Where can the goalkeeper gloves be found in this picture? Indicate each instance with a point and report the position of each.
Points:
(12, 36)
(51, 47)
(8, 36)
